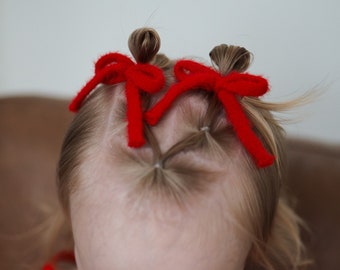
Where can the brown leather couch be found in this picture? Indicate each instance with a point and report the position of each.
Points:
(31, 132)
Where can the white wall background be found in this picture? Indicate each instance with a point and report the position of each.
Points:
(47, 47)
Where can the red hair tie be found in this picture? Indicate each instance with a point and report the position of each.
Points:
(192, 75)
(63, 256)
(114, 68)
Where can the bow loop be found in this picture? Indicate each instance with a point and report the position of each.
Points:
(111, 59)
(242, 84)
(186, 68)
(111, 68)
(113, 74)
(146, 77)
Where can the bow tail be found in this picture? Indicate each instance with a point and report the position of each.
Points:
(134, 116)
(156, 112)
(85, 91)
(243, 130)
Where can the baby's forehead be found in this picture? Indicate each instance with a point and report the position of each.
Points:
(109, 190)
(153, 231)
(114, 180)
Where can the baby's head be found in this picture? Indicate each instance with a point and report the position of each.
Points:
(192, 197)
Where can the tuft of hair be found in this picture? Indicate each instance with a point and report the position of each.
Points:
(275, 227)
(229, 58)
(144, 43)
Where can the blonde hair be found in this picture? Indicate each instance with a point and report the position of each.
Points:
(265, 215)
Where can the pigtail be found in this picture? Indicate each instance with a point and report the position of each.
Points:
(144, 43)
(277, 244)
(227, 58)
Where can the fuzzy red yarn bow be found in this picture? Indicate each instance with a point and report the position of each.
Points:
(192, 75)
(114, 68)
(63, 256)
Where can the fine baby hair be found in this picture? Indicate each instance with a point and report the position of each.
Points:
(164, 139)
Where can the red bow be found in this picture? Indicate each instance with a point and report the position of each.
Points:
(192, 75)
(114, 68)
(63, 256)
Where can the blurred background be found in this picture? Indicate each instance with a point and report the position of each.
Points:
(48, 47)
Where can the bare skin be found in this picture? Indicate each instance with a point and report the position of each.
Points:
(114, 229)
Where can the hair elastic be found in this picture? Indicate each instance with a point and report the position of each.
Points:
(158, 165)
(205, 129)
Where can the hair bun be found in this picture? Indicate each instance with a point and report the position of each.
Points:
(230, 58)
(144, 43)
